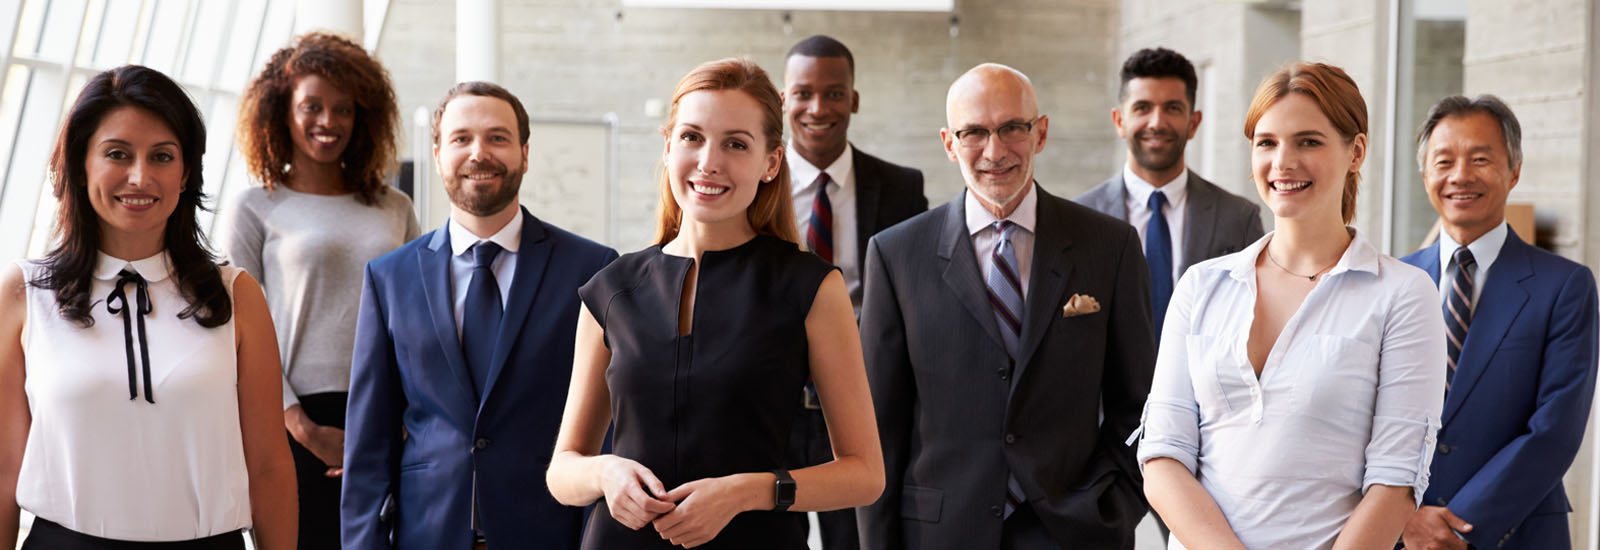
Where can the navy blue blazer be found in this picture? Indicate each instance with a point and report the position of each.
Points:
(1517, 408)
(416, 432)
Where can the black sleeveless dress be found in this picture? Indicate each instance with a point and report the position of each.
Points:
(720, 400)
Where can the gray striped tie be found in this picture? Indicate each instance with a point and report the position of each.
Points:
(1005, 294)
(1458, 310)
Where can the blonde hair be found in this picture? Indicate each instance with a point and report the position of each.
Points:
(771, 213)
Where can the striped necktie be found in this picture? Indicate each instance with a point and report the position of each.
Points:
(819, 232)
(1458, 309)
(1005, 294)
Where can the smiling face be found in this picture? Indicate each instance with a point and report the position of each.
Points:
(1157, 121)
(321, 118)
(135, 175)
(717, 156)
(817, 102)
(479, 154)
(1300, 162)
(1468, 174)
(986, 98)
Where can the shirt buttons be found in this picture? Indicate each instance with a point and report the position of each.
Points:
(1011, 438)
(481, 444)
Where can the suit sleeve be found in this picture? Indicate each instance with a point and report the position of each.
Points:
(1130, 358)
(883, 342)
(372, 427)
(1502, 493)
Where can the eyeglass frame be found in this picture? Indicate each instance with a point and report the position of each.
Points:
(1027, 130)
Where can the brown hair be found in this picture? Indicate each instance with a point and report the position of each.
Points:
(1334, 92)
(485, 89)
(771, 213)
(264, 113)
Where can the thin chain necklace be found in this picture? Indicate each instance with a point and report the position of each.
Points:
(1312, 277)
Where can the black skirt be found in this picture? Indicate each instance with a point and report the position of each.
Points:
(49, 535)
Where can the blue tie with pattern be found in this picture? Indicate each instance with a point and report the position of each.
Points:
(1005, 294)
(1158, 253)
(1458, 310)
(480, 315)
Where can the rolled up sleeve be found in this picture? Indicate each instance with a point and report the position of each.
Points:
(1170, 427)
(1411, 371)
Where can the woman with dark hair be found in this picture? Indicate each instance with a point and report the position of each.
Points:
(703, 384)
(182, 447)
(317, 128)
(1297, 389)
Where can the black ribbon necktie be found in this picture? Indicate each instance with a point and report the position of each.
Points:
(117, 304)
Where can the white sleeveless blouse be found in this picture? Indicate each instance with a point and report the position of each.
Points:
(102, 464)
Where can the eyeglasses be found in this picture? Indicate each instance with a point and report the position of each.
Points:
(1010, 132)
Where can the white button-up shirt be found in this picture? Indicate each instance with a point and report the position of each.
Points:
(1485, 250)
(1350, 394)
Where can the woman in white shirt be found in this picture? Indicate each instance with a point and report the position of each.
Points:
(1299, 382)
(139, 380)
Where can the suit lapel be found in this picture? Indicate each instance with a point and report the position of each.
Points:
(867, 191)
(1047, 280)
(433, 261)
(961, 268)
(533, 255)
(1498, 306)
(1114, 201)
(1200, 221)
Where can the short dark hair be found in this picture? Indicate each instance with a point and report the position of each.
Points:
(1159, 63)
(485, 89)
(822, 45)
(1487, 104)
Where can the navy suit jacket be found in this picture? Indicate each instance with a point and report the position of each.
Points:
(416, 433)
(1516, 411)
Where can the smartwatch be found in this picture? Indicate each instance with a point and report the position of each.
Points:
(783, 491)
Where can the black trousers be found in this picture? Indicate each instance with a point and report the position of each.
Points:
(808, 446)
(48, 535)
(319, 494)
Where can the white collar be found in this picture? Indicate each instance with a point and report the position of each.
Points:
(802, 173)
(1484, 250)
(154, 268)
(509, 237)
(1024, 216)
(1358, 256)
(1140, 190)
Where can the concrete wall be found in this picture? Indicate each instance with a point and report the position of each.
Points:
(578, 58)
(1354, 36)
(1541, 61)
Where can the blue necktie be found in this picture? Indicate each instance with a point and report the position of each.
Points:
(1158, 253)
(1458, 311)
(1005, 294)
(480, 315)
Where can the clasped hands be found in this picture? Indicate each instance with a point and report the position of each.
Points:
(689, 515)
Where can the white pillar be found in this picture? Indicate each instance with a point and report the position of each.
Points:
(477, 40)
(338, 16)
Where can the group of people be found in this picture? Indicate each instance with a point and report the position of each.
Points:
(985, 374)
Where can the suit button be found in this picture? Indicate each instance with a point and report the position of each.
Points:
(1003, 372)
(481, 444)
(1011, 438)
(1444, 449)
(997, 511)
(1441, 501)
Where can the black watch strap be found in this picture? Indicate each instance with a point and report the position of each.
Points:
(783, 491)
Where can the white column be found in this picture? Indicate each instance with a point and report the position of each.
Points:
(477, 40)
(338, 16)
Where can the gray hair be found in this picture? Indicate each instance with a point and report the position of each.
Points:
(1459, 105)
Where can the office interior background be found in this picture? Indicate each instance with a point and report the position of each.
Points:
(596, 76)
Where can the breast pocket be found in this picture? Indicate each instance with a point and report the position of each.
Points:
(1337, 374)
(1214, 372)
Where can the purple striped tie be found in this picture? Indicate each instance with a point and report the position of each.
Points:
(1458, 310)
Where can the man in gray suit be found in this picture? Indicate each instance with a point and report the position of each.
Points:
(996, 327)
(1179, 215)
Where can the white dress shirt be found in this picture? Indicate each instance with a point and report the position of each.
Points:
(105, 465)
(842, 198)
(1349, 397)
(1138, 202)
(980, 225)
(505, 265)
(1484, 252)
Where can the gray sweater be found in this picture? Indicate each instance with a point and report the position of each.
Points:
(308, 252)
